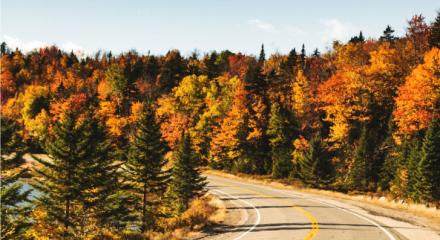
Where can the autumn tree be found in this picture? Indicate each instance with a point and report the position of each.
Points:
(302, 99)
(227, 147)
(434, 39)
(418, 98)
(418, 33)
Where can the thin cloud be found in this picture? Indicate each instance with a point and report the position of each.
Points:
(262, 25)
(290, 30)
(29, 46)
(294, 30)
(335, 29)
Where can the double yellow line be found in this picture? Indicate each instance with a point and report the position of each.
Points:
(314, 222)
(315, 226)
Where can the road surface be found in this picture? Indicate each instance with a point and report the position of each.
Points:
(263, 212)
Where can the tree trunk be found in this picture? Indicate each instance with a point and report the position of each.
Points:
(144, 209)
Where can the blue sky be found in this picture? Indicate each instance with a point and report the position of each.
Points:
(205, 25)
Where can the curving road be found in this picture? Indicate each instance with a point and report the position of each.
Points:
(263, 212)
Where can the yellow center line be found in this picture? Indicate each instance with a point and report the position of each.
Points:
(314, 222)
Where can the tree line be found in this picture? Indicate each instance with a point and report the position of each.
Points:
(363, 116)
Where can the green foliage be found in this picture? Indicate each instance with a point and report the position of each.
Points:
(389, 168)
(280, 132)
(78, 181)
(104, 189)
(388, 35)
(413, 172)
(358, 39)
(186, 180)
(434, 40)
(117, 80)
(428, 184)
(171, 71)
(14, 210)
(358, 177)
(145, 169)
(315, 168)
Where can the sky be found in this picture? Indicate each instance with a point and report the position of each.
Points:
(202, 25)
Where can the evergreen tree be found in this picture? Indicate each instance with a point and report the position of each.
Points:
(316, 53)
(388, 35)
(145, 169)
(358, 177)
(358, 39)
(171, 71)
(399, 184)
(186, 180)
(14, 210)
(119, 86)
(434, 40)
(315, 169)
(104, 193)
(280, 139)
(66, 186)
(389, 168)
(262, 56)
(302, 57)
(291, 62)
(429, 166)
(211, 68)
(413, 192)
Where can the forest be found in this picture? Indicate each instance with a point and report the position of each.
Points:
(127, 134)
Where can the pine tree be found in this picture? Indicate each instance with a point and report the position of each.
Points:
(358, 177)
(14, 210)
(388, 35)
(63, 181)
(434, 39)
(145, 169)
(171, 71)
(291, 59)
(280, 134)
(428, 183)
(316, 53)
(390, 165)
(413, 192)
(315, 169)
(262, 56)
(104, 193)
(399, 184)
(186, 180)
(302, 57)
(358, 39)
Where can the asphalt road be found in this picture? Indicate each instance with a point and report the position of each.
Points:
(263, 212)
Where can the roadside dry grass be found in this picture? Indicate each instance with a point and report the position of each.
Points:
(203, 212)
(417, 214)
